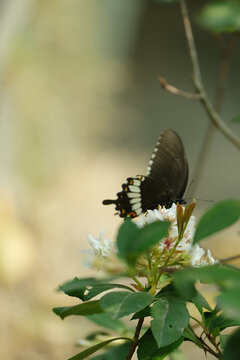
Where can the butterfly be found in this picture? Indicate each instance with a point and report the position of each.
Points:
(164, 183)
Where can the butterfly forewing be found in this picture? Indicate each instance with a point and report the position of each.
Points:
(165, 183)
(169, 163)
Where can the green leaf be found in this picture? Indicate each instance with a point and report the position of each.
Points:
(217, 218)
(176, 355)
(170, 317)
(84, 354)
(122, 303)
(166, 291)
(118, 352)
(133, 241)
(229, 301)
(222, 322)
(104, 320)
(98, 289)
(200, 302)
(223, 340)
(99, 357)
(88, 308)
(231, 350)
(142, 313)
(221, 275)
(77, 287)
(86, 289)
(189, 335)
(148, 348)
(220, 16)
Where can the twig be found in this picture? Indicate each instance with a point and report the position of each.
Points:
(197, 81)
(231, 258)
(224, 67)
(135, 339)
(176, 91)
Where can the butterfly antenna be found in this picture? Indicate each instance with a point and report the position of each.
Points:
(189, 187)
(188, 191)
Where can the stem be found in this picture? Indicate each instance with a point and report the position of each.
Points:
(224, 68)
(135, 339)
(234, 257)
(197, 81)
(138, 282)
(168, 258)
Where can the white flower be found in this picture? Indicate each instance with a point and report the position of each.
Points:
(100, 248)
(198, 257)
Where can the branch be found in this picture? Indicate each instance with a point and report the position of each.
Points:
(175, 91)
(135, 339)
(197, 81)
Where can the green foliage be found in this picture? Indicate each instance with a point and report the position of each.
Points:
(149, 350)
(230, 301)
(166, 308)
(86, 289)
(89, 308)
(169, 318)
(106, 321)
(217, 218)
(122, 303)
(231, 349)
(220, 16)
(133, 241)
(86, 353)
(223, 276)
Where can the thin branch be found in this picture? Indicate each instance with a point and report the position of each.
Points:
(135, 339)
(226, 50)
(231, 258)
(175, 91)
(197, 81)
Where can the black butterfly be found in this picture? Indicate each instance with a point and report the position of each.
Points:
(164, 184)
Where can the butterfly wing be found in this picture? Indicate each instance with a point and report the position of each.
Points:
(166, 179)
(169, 164)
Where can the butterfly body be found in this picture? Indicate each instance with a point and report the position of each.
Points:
(164, 184)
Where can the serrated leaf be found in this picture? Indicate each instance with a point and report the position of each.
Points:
(133, 241)
(229, 301)
(217, 218)
(170, 317)
(104, 320)
(122, 303)
(231, 349)
(84, 354)
(88, 308)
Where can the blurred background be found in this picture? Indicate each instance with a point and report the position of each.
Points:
(81, 109)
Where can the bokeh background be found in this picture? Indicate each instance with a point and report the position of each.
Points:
(81, 109)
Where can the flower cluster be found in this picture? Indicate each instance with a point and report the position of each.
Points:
(183, 253)
(197, 256)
